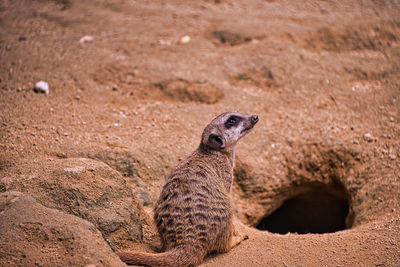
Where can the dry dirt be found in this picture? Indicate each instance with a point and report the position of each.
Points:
(129, 101)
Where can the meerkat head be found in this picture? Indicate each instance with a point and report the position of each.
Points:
(224, 131)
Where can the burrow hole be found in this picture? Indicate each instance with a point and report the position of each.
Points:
(317, 209)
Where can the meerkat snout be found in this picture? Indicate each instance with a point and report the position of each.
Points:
(254, 119)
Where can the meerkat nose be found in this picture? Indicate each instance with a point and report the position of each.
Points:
(254, 119)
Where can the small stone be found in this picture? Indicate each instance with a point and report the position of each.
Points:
(185, 39)
(392, 156)
(77, 97)
(164, 42)
(86, 38)
(116, 124)
(368, 137)
(42, 87)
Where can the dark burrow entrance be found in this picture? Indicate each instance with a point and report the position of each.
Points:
(320, 209)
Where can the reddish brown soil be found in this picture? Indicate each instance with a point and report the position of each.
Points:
(323, 76)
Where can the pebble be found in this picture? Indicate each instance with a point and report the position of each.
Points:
(368, 137)
(185, 39)
(86, 38)
(164, 42)
(42, 87)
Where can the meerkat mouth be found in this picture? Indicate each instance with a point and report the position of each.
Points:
(247, 129)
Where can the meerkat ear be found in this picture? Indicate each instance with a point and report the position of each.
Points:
(216, 141)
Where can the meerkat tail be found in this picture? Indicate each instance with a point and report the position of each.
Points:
(178, 257)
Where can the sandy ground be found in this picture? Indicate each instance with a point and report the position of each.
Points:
(133, 83)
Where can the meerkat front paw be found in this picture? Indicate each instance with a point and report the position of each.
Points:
(237, 239)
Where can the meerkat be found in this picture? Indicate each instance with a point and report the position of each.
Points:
(194, 213)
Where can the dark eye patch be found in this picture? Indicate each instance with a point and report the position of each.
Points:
(232, 121)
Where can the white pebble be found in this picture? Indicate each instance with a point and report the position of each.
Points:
(42, 87)
(185, 39)
(86, 38)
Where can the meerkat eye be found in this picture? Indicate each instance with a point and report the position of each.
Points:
(232, 121)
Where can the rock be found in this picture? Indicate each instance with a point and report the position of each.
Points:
(185, 39)
(368, 137)
(86, 38)
(33, 235)
(90, 190)
(127, 163)
(42, 87)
